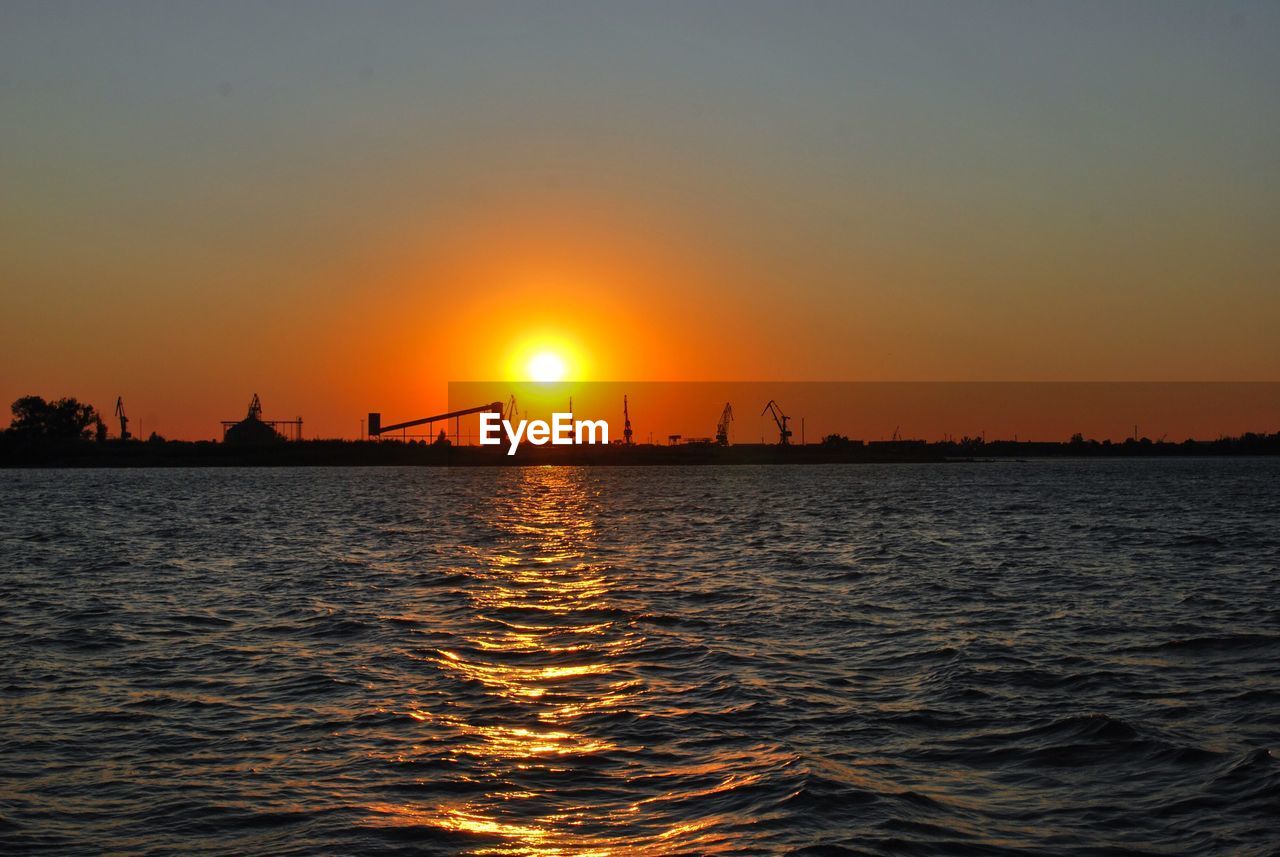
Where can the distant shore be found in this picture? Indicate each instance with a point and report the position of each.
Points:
(319, 453)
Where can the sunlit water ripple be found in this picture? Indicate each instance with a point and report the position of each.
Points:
(1011, 658)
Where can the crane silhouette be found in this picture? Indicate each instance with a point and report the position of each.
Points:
(124, 421)
(784, 433)
(722, 427)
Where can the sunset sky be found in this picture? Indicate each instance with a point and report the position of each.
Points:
(345, 206)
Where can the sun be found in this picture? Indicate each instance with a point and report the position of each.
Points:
(546, 366)
(548, 357)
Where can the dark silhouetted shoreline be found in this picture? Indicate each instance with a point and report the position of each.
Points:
(20, 452)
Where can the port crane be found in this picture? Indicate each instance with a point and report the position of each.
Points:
(626, 423)
(784, 433)
(722, 427)
(124, 421)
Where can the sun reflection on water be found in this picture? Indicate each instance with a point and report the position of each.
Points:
(548, 654)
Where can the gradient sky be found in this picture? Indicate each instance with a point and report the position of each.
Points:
(343, 206)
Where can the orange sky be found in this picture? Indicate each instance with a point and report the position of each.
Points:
(195, 210)
(375, 328)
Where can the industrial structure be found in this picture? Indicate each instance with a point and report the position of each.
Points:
(784, 433)
(509, 412)
(124, 421)
(722, 427)
(254, 429)
(377, 429)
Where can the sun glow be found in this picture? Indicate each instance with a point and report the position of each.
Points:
(547, 358)
(546, 366)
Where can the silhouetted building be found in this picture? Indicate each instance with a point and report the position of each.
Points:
(254, 429)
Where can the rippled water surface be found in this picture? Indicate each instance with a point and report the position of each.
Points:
(1007, 658)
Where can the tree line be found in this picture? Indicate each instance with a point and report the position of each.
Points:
(63, 419)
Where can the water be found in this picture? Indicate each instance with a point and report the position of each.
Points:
(1007, 658)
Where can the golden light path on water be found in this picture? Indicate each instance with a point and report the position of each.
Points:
(548, 654)
(611, 661)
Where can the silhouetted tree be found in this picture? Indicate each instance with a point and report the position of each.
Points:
(65, 419)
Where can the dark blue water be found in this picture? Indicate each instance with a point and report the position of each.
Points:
(1007, 658)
